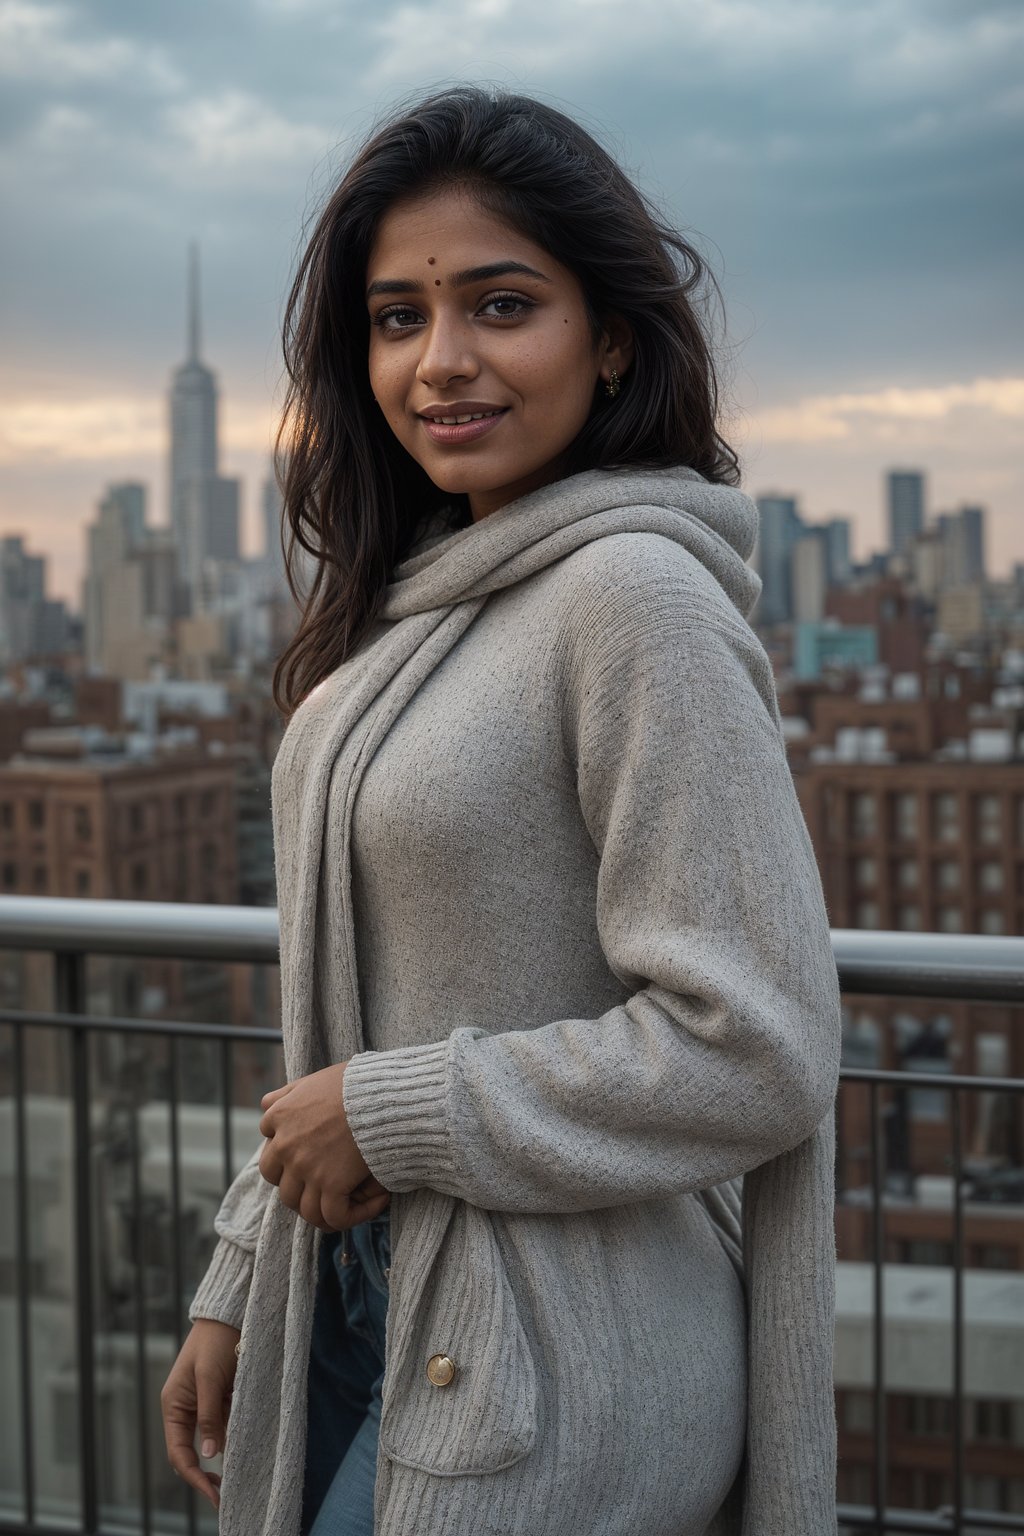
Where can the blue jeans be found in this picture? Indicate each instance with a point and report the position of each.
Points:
(346, 1373)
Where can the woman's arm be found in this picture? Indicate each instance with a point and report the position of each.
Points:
(709, 904)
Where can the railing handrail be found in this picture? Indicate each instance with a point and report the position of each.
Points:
(954, 965)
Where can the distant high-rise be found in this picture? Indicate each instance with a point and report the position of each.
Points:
(779, 527)
(193, 424)
(203, 505)
(905, 494)
(809, 576)
(129, 592)
(963, 543)
(837, 549)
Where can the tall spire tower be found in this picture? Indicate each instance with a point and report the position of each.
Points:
(193, 303)
(193, 472)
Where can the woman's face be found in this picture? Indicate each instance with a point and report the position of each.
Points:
(471, 319)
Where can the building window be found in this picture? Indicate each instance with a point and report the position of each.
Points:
(909, 917)
(867, 914)
(7, 815)
(37, 813)
(990, 876)
(863, 815)
(929, 1415)
(834, 825)
(950, 920)
(927, 1251)
(924, 1048)
(139, 879)
(858, 1413)
(10, 876)
(995, 1256)
(1020, 822)
(988, 820)
(83, 882)
(947, 875)
(861, 1036)
(137, 818)
(905, 819)
(207, 802)
(983, 1491)
(991, 921)
(856, 1484)
(83, 822)
(208, 859)
(865, 872)
(181, 807)
(907, 874)
(945, 818)
(39, 880)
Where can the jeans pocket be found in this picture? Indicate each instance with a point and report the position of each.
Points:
(355, 1300)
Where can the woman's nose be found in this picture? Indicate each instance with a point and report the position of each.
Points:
(445, 354)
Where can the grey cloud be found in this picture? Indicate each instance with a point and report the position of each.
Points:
(848, 167)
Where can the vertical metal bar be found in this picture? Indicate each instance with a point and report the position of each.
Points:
(24, 1276)
(177, 1266)
(84, 1282)
(69, 990)
(958, 1311)
(878, 1228)
(139, 1287)
(226, 1087)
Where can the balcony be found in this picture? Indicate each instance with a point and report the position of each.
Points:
(118, 1135)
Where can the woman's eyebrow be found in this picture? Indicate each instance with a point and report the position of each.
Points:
(457, 279)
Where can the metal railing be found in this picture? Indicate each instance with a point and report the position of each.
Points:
(920, 965)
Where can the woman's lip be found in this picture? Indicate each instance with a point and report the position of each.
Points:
(467, 433)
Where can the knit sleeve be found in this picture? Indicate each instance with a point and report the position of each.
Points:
(223, 1292)
(709, 906)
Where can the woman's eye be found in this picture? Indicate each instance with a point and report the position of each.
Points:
(509, 305)
(403, 319)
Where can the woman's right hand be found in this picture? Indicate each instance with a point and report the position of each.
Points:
(198, 1392)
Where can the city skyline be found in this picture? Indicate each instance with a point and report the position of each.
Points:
(848, 175)
(186, 477)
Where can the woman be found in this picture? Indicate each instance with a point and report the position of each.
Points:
(556, 968)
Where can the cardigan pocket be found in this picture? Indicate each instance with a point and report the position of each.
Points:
(451, 1297)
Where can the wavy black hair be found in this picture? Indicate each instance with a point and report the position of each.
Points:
(354, 499)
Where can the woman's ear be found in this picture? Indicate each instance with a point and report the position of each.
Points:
(617, 347)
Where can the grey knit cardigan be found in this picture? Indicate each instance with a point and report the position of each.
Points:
(544, 882)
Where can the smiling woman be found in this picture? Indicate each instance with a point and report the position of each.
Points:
(484, 385)
(543, 1214)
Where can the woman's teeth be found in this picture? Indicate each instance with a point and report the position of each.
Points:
(458, 421)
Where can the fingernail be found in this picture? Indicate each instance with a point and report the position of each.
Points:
(209, 1448)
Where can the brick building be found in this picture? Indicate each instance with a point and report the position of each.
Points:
(909, 838)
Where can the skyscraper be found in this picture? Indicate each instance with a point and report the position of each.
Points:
(780, 525)
(905, 495)
(203, 505)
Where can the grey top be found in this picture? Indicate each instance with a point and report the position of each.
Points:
(544, 882)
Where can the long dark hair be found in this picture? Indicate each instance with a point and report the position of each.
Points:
(354, 499)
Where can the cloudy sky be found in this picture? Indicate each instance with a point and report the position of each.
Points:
(852, 171)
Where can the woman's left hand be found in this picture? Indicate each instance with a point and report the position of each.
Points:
(312, 1156)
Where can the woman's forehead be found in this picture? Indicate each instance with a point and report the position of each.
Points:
(440, 228)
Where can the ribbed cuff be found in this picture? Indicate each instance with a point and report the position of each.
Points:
(397, 1108)
(224, 1290)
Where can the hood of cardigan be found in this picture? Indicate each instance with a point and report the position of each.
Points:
(716, 523)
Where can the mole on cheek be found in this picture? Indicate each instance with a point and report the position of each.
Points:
(431, 260)
(437, 282)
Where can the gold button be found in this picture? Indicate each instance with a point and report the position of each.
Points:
(440, 1370)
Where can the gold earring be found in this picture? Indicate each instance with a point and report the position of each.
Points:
(611, 389)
